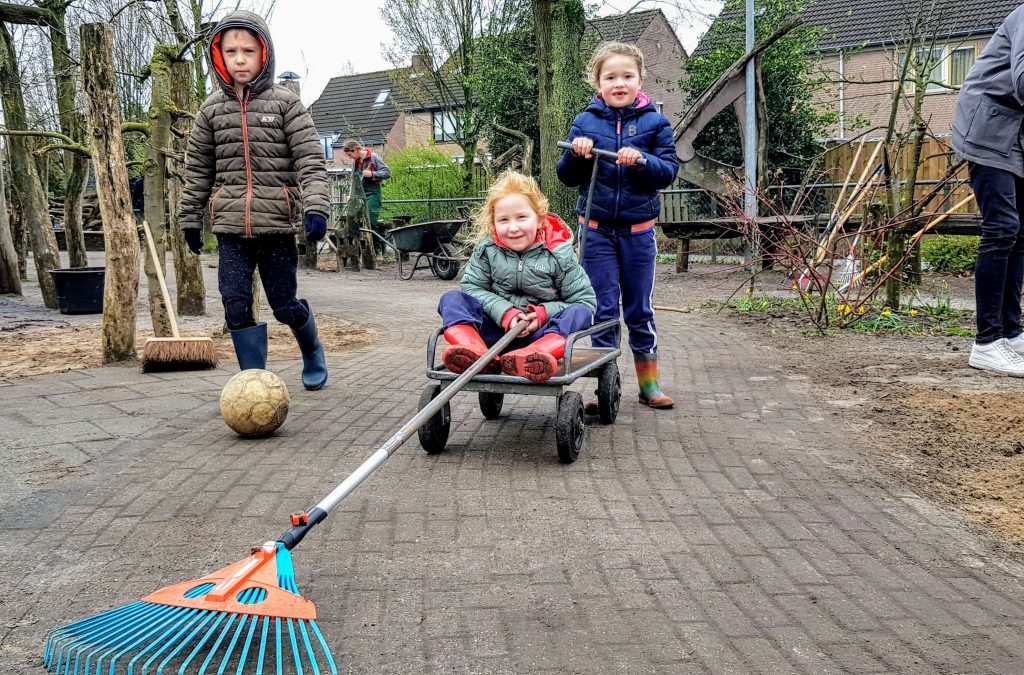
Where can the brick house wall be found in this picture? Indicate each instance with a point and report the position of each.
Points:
(664, 61)
(870, 102)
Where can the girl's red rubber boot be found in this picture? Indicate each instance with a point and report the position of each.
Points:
(465, 347)
(538, 361)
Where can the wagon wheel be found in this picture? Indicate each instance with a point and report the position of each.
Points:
(434, 432)
(443, 268)
(609, 393)
(490, 404)
(569, 427)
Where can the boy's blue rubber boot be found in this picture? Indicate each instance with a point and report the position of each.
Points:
(314, 366)
(251, 346)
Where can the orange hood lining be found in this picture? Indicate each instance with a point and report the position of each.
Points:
(218, 58)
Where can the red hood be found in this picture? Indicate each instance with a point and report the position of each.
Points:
(553, 232)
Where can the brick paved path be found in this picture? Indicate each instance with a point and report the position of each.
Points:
(737, 533)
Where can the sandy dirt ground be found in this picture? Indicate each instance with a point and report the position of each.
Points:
(947, 432)
(35, 347)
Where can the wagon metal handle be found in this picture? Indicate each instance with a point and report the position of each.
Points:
(603, 154)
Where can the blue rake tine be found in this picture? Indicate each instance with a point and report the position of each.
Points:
(234, 641)
(164, 642)
(324, 647)
(149, 640)
(309, 648)
(295, 647)
(115, 625)
(263, 645)
(195, 650)
(248, 643)
(62, 638)
(182, 643)
(216, 645)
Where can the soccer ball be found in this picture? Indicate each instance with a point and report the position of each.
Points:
(254, 403)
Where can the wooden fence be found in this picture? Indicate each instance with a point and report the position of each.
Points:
(936, 158)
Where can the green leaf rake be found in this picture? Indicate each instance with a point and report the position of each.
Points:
(247, 617)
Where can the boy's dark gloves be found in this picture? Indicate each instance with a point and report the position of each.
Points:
(316, 226)
(193, 239)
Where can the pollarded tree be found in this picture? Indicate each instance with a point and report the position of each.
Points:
(445, 36)
(788, 72)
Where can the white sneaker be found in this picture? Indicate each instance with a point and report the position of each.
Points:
(999, 357)
(1017, 344)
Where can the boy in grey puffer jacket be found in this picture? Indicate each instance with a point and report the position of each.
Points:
(523, 273)
(254, 160)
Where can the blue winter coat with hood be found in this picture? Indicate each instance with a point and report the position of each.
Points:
(623, 195)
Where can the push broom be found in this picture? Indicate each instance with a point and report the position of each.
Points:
(173, 353)
(245, 618)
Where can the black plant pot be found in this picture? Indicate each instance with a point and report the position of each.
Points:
(79, 289)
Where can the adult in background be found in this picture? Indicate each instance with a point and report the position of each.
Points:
(987, 133)
(374, 171)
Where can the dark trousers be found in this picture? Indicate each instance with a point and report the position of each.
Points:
(457, 307)
(277, 259)
(999, 271)
(621, 264)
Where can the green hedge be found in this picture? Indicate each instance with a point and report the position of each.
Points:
(950, 254)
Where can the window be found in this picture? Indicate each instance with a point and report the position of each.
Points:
(924, 57)
(960, 61)
(446, 127)
(949, 67)
(381, 98)
(326, 142)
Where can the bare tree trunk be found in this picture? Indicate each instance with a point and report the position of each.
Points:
(28, 189)
(9, 281)
(121, 290)
(155, 183)
(188, 268)
(72, 125)
(559, 27)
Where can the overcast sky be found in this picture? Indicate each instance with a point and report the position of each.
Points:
(319, 38)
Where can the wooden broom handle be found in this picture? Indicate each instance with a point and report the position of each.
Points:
(160, 277)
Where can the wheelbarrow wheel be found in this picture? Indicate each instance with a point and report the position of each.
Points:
(569, 427)
(442, 267)
(434, 432)
(609, 393)
(490, 404)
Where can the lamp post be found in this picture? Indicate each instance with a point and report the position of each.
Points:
(750, 127)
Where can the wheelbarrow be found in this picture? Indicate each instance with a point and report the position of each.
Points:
(433, 244)
(595, 362)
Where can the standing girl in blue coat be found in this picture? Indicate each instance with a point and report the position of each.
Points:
(619, 251)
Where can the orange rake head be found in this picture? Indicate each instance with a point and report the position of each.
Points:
(249, 613)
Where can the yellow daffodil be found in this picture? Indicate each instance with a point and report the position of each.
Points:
(747, 291)
(886, 312)
(861, 309)
(913, 312)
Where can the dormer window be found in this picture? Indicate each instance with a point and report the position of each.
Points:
(381, 98)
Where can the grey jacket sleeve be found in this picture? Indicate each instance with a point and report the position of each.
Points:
(1017, 60)
(381, 170)
(308, 158)
(200, 170)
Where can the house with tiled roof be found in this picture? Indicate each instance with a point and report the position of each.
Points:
(393, 109)
(860, 52)
(664, 56)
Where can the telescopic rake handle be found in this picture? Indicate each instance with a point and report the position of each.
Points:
(603, 154)
(300, 529)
